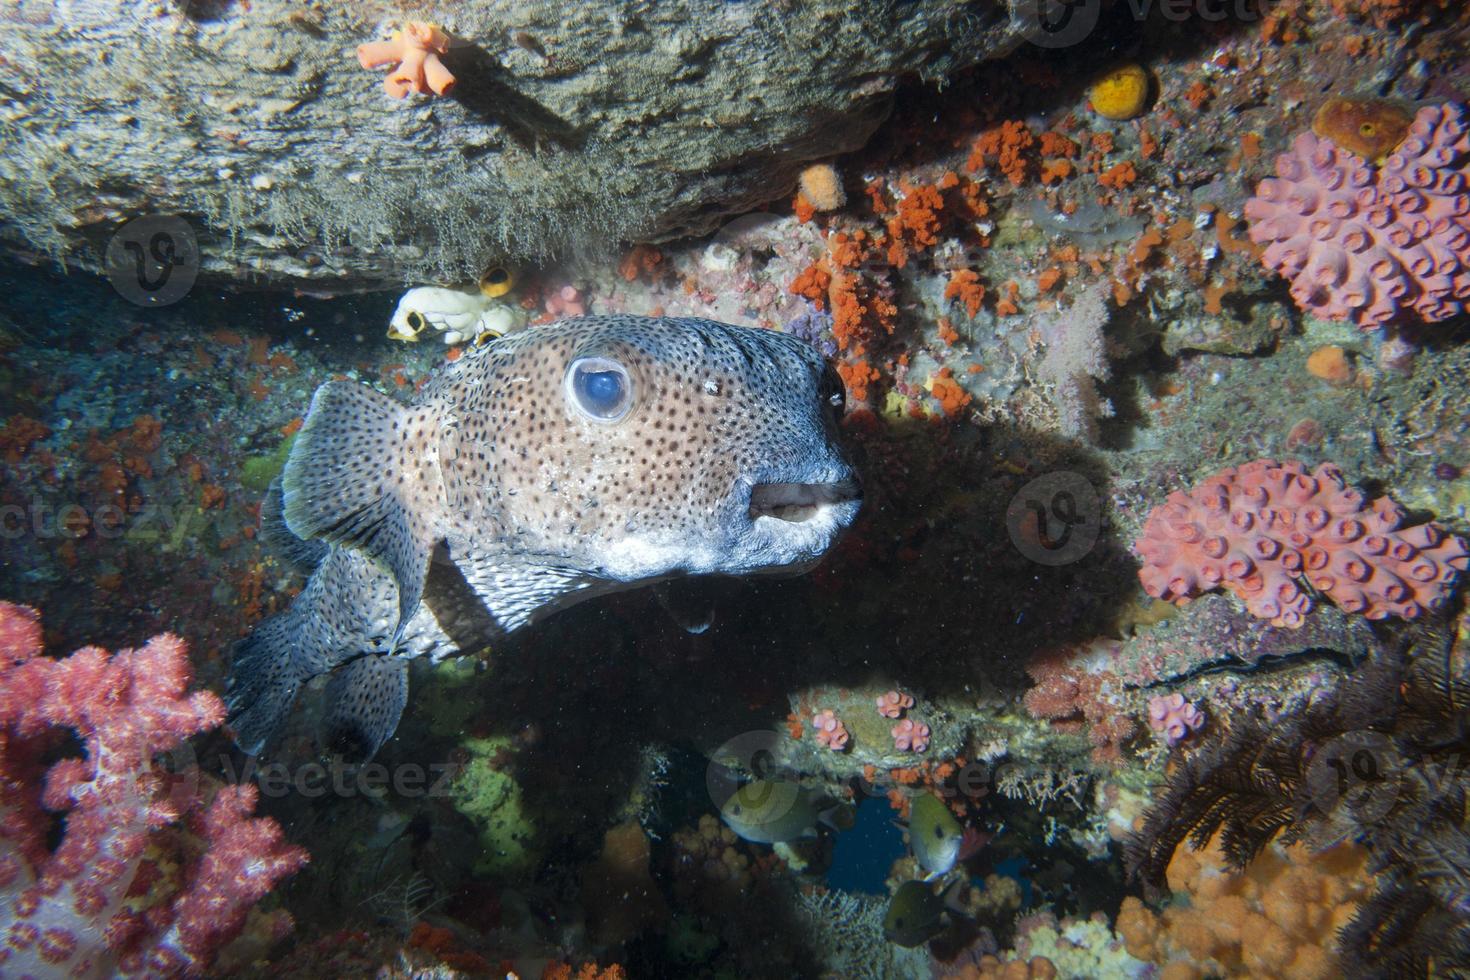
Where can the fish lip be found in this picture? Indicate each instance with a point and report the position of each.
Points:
(803, 503)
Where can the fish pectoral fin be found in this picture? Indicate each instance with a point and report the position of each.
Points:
(364, 700)
(364, 473)
(689, 603)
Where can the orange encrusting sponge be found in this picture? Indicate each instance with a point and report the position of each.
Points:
(1279, 917)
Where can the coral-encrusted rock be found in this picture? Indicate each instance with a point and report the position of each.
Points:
(1371, 244)
(1259, 529)
(567, 126)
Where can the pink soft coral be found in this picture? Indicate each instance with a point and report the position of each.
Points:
(1258, 529)
(414, 52)
(85, 833)
(1367, 243)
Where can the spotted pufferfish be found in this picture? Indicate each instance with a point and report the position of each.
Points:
(562, 462)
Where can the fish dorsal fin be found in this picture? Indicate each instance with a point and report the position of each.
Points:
(304, 555)
(364, 473)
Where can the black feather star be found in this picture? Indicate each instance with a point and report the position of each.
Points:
(1385, 760)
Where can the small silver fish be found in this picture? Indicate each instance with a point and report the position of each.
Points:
(935, 836)
(772, 811)
(565, 461)
(916, 913)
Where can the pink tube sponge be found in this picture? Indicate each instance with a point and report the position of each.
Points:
(1173, 717)
(910, 736)
(830, 731)
(565, 301)
(414, 54)
(893, 703)
(1259, 529)
(1370, 244)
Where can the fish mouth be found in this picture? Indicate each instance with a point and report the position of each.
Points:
(802, 503)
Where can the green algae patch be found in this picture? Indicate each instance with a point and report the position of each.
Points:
(454, 686)
(493, 802)
(257, 472)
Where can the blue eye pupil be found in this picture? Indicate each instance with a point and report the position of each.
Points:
(601, 392)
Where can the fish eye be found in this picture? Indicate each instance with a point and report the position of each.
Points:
(416, 321)
(599, 388)
(1366, 129)
(832, 392)
(497, 281)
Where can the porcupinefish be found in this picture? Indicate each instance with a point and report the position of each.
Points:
(568, 460)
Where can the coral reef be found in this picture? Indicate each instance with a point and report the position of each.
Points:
(1257, 528)
(104, 899)
(1045, 321)
(1369, 244)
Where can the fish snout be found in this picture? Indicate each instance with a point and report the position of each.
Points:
(801, 503)
(789, 520)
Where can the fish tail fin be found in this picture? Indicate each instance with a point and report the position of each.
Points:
(264, 679)
(344, 611)
(364, 473)
(365, 699)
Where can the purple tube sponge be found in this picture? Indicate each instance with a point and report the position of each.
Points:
(1173, 717)
(830, 731)
(893, 703)
(910, 736)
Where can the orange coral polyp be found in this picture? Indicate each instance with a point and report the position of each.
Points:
(414, 52)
